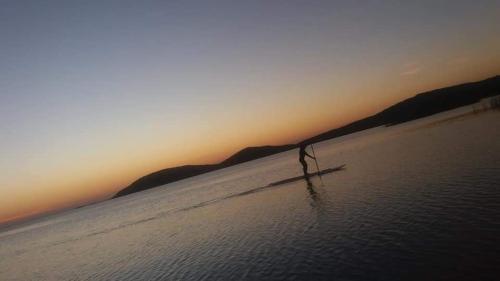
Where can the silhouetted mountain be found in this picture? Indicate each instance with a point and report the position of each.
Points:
(178, 173)
(166, 176)
(251, 153)
(419, 106)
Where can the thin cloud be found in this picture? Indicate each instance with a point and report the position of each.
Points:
(411, 69)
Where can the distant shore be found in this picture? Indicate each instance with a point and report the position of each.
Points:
(419, 106)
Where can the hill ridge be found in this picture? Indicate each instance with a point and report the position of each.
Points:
(418, 106)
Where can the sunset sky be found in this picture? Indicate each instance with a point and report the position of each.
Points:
(94, 94)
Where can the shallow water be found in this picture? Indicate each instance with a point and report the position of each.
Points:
(417, 201)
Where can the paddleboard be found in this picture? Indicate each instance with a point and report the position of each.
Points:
(322, 172)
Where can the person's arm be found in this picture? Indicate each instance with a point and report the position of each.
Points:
(307, 154)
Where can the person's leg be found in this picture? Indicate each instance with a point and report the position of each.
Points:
(304, 168)
(306, 175)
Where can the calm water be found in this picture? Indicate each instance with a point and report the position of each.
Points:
(418, 201)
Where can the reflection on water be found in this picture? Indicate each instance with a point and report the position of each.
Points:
(418, 201)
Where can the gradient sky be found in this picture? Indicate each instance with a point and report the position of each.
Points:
(94, 94)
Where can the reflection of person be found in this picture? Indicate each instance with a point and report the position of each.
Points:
(302, 159)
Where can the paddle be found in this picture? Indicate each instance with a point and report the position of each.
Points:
(317, 166)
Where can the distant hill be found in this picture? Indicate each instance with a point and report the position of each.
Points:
(251, 153)
(166, 176)
(419, 106)
(178, 173)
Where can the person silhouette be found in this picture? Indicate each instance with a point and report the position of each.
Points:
(302, 159)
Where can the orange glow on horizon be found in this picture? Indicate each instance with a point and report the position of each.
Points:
(87, 107)
(100, 180)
